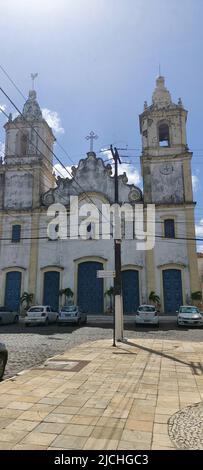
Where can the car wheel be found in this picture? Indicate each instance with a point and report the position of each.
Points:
(3, 361)
(46, 321)
(16, 319)
(26, 324)
(79, 321)
(85, 321)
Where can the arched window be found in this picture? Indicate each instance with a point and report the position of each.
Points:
(24, 144)
(164, 140)
(169, 228)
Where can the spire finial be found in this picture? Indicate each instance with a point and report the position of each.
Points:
(33, 76)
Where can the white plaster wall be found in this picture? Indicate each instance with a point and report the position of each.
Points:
(18, 189)
(15, 254)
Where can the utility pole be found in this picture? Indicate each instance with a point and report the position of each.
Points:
(118, 302)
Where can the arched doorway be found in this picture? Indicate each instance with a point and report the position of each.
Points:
(130, 290)
(13, 290)
(172, 290)
(90, 290)
(51, 289)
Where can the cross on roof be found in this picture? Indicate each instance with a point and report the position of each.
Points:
(92, 136)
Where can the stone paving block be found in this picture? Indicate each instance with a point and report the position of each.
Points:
(50, 428)
(87, 420)
(19, 405)
(85, 411)
(39, 438)
(125, 445)
(100, 444)
(8, 413)
(11, 436)
(6, 445)
(115, 423)
(22, 425)
(137, 436)
(81, 430)
(69, 410)
(105, 432)
(58, 418)
(69, 442)
(30, 446)
(135, 425)
(4, 422)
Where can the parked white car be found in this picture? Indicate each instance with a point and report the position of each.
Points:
(43, 314)
(72, 314)
(189, 315)
(8, 316)
(147, 314)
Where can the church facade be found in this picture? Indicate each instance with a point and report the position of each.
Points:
(32, 262)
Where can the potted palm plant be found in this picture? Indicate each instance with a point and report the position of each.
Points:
(110, 293)
(27, 299)
(67, 293)
(153, 297)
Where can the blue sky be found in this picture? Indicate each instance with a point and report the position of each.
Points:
(97, 62)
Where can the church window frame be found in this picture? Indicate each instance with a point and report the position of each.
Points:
(169, 228)
(164, 134)
(16, 233)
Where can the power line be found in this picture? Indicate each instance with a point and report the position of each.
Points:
(45, 143)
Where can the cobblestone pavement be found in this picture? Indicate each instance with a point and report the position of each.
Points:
(30, 346)
(186, 427)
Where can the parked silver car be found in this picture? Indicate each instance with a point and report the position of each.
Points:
(3, 359)
(72, 314)
(189, 315)
(43, 314)
(8, 316)
(147, 314)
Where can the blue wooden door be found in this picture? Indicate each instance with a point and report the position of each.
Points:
(13, 290)
(51, 289)
(172, 288)
(90, 289)
(130, 290)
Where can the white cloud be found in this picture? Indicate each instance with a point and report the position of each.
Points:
(131, 172)
(3, 107)
(195, 182)
(200, 248)
(60, 171)
(53, 120)
(199, 228)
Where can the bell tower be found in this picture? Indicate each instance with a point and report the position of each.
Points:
(28, 168)
(165, 156)
(167, 181)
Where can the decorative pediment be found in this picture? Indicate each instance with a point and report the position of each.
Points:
(93, 175)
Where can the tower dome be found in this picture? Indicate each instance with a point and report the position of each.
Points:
(161, 96)
(31, 108)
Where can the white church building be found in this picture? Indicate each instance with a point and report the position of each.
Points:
(31, 262)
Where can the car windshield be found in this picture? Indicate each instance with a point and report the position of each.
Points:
(36, 309)
(146, 308)
(189, 310)
(70, 308)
